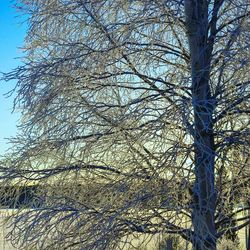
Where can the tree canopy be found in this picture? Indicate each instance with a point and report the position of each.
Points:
(134, 121)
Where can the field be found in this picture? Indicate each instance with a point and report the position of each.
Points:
(153, 244)
(4, 245)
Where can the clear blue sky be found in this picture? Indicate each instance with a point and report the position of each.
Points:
(12, 35)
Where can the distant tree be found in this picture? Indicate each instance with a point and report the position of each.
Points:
(134, 122)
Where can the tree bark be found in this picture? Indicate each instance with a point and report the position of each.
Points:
(204, 194)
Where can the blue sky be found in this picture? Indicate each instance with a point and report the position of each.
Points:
(12, 35)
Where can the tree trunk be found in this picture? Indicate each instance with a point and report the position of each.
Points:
(204, 195)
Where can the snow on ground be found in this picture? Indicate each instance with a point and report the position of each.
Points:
(5, 245)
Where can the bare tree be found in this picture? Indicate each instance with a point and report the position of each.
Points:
(134, 122)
